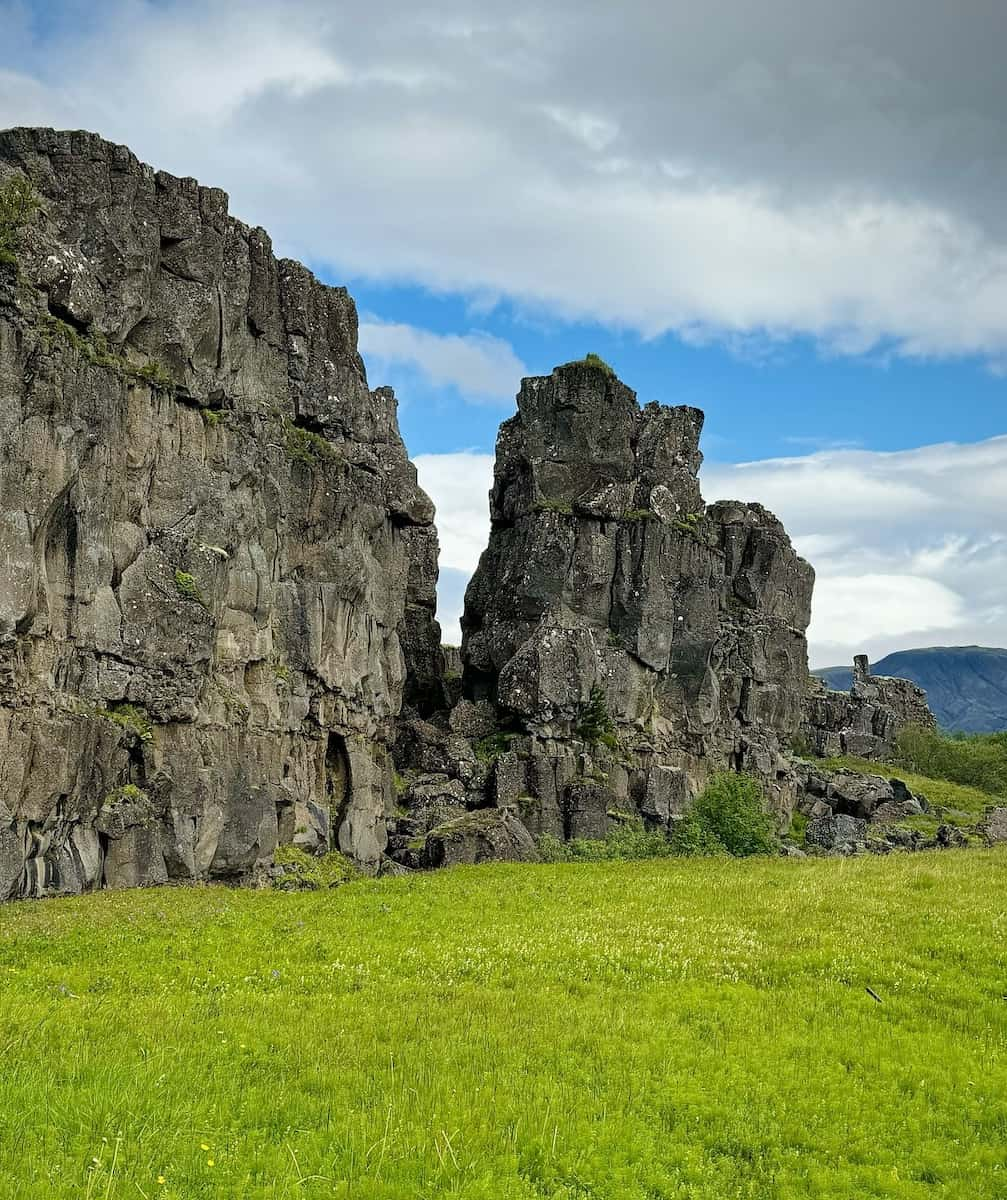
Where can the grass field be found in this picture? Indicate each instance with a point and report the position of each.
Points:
(673, 1028)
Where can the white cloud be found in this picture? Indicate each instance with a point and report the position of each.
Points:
(459, 486)
(479, 365)
(909, 547)
(879, 606)
(663, 167)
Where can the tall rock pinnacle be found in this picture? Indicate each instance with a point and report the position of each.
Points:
(608, 581)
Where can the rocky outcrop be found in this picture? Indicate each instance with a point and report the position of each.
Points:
(623, 640)
(218, 595)
(866, 721)
(495, 835)
(617, 625)
(851, 813)
(848, 793)
(217, 562)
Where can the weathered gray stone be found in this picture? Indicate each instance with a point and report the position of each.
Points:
(431, 800)
(870, 797)
(950, 837)
(492, 834)
(994, 825)
(473, 720)
(217, 561)
(586, 807)
(866, 721)
(510, 779)
(607, 575)
(839, 834)
(788, 850)
(431, 749)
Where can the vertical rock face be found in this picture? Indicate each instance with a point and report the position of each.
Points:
(610, 592)
(867, 720)
(212, 543)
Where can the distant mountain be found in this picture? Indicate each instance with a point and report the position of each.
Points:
(966, 685)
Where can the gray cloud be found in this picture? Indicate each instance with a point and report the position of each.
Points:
(720, 169)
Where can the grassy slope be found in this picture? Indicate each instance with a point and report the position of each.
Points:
(675, 1028)
(952, 803)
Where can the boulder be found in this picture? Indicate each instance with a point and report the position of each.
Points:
(433, 799)
(837, 834)
(994, 826)
(950, 837)
(868, 797)
(494, 834)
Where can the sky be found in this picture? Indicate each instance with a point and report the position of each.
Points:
(788, 214)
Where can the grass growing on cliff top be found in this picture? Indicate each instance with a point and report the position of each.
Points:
(673, 1028)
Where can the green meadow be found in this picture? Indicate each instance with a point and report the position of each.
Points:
(694, 1028)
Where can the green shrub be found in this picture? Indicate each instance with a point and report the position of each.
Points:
(625, 841)
(593, 360)
(594, 724)
(798, 828)
(563, 507)
(727, 818)
(690, 523)
(129, 792)
(312, 872)
(692, 838)
(977, 760)
(306, 446)
(154, 374)
(18, 204)
(128, 716)
(188, 588)
(731, 807)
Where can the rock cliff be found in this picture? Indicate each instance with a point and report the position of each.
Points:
(622, 638)
(217, 577)
(216, 561)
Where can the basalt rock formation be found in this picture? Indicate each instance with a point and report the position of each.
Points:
(966, 686)
(217, 578)
(864, 722)
(622, 638)
(216, 562)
